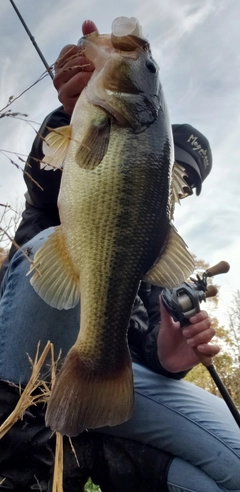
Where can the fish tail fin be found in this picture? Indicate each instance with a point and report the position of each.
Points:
(82, 398)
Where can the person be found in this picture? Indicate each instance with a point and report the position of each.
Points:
(194, 430)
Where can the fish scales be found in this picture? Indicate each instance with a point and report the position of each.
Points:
(114, 202)
(114, 206)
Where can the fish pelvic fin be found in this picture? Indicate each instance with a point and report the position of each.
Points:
(82, 399)
(174, 265)
(54, 278)
(55, 147)
(177, 186)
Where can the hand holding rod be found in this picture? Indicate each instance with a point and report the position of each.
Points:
(222, 267)
(183, 302)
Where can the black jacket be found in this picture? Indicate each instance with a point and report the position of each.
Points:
(41, 212)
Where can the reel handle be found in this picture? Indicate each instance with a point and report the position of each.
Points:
(211, 291)
(221, 267)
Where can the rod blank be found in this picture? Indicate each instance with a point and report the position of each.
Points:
(32, 39)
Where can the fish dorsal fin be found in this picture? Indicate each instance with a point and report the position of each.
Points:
(174, 265)
(95, 144)
(54, 278)
(178, 185)
(55, 147)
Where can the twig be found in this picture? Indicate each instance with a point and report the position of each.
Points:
(74, 451)
(20, 168)
(12, 98)
(16, 245)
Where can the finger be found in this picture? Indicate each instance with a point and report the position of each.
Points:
(88, 27)
(166, 318)
(73, 67)
(198, 317)
(69, 104)
(201, 338)
(208, 349)
(193, 329)
(78, 63)
(65, 54)
(68, 93)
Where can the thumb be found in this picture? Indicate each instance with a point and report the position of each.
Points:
(167, 322)
(88, 27)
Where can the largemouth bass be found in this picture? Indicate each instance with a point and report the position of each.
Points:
(114, 206)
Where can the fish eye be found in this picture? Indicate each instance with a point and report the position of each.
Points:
(151, 66)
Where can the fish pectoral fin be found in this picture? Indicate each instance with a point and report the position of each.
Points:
(84, 399)
(95, 144)
(174, 265)
(55, 147)
(55, 279)
(177, 186)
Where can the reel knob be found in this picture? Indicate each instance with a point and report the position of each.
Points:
(221, 267)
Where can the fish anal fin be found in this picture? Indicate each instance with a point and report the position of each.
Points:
(55, 147)
(95, 144)
(175, 263)
(54, 278)
(82, 399)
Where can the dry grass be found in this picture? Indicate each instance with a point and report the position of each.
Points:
(27, 398)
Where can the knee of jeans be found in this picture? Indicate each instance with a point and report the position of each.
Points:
(19, 263)
(38, 240)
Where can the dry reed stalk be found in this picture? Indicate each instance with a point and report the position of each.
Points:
(27, 399)
(58, 465)
(58, 462)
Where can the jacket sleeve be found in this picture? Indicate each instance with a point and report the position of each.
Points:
(45, 195)
(150, 295)
(41, 209)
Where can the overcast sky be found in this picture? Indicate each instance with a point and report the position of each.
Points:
(196, 44)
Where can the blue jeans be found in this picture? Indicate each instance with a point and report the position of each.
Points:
(172, 415)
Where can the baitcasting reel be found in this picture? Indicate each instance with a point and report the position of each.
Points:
(184, 301)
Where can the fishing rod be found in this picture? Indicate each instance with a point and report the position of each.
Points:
(183, 302)
(32, 39)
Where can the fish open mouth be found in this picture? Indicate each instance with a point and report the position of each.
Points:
(126, 39)
(115, 85)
